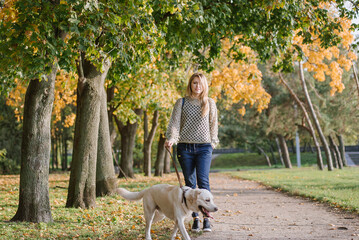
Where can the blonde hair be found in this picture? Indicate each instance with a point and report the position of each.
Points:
(203, 97)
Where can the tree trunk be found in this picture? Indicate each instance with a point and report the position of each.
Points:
(336, 153)
(34, 203)
(167, 163)
(106, 182)
(128, 137)
(315, 119)
(265, 155)
(339, 157)
(82, 186)
(304, 147)
(311, 148)
(64, 158)
(58, 152)
(161, 152)
(272, 153)
(332, 152)
(111, 109)
(284, 150)
(279, 151)
(310, 128)
(342, 150)
(291, 141)
(356, 77)
(53, 154)
(148, 140)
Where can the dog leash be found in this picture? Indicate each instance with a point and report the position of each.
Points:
(184, 200)
(174, 165)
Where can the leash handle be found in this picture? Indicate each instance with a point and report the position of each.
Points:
(174, 165)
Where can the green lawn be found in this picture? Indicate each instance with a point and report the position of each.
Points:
(255, 161)
(113, 218)
(340, 188)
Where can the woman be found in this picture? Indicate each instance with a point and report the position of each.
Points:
(194, 128)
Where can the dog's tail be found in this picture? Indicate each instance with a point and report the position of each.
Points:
(134, 196)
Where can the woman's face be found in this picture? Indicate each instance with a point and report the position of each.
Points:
(196, 87)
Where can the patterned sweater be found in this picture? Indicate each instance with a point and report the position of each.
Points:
(188, 126)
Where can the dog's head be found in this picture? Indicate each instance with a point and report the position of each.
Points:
(201, 200)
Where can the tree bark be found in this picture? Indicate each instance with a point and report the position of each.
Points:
(58, 152)
(34, 203)
(279, 151)
(284, 150)
(336, 153)
(356, 77)
(304, 147)
(310, 125)
(64, 158)
(265, 155)
(291, 141)
(332, 152)
(106, 181)
(161, 152)
(128, 137)
(82, 186)
(111, 110)
(167, 163)
(342, 150)
(310, 148)
(148, 140)
(272, 153)
(339, 157)
(53, 153)
(315, 119)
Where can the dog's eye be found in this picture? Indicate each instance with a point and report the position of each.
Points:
(208, 200)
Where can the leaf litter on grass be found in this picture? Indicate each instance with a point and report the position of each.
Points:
(112, 218)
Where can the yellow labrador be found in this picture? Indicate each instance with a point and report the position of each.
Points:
(173, 202)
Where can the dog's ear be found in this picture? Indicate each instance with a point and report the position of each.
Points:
(192, 197)
(198, 192)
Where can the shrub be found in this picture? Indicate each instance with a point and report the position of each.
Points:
(7, 165)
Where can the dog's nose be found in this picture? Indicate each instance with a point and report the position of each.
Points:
(215, 209)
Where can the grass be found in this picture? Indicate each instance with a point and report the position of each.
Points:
(116, 218)
(113, 218)
(237, 161)
(339, 188)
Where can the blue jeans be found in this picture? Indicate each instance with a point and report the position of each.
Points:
(195, 160)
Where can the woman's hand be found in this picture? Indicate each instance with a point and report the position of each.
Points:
(168, 144)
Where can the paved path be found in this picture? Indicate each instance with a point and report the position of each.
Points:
(249, 210)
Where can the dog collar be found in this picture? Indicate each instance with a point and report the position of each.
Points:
(184, 196)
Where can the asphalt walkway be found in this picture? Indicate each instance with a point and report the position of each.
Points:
(249, 210)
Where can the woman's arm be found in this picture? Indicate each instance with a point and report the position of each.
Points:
(213, 123)
(173, 129)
